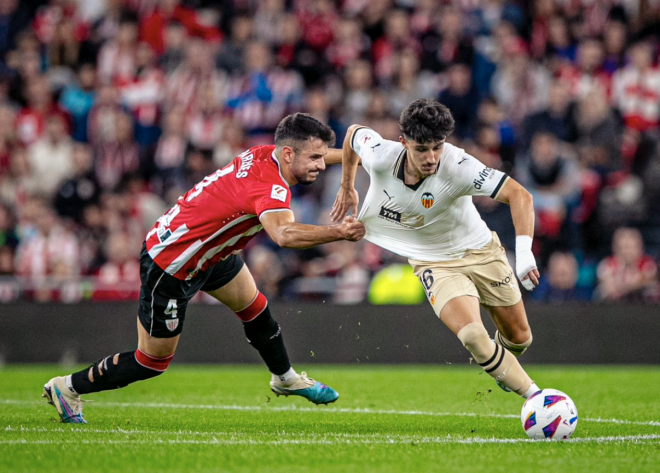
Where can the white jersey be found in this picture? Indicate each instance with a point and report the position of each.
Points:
(433, 220)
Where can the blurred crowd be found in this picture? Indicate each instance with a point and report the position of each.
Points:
(110, 109)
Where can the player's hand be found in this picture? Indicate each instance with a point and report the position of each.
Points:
(526, 268)
(352, 229)
(346, 199)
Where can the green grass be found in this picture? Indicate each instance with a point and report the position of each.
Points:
(388, 418)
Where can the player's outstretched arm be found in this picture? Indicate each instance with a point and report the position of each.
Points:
(287, 233)
(522, 214)
(347, 197)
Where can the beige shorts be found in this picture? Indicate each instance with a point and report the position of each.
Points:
(484, 273)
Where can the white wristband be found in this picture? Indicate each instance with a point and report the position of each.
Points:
(525, 261)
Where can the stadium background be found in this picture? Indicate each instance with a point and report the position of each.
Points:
(110, 109)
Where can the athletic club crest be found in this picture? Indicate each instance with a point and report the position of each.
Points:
(172, 324)
(427, 200)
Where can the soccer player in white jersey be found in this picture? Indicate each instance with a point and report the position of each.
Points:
(419, 205)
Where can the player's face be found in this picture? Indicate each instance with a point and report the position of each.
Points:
(423, 158)
(308, 162)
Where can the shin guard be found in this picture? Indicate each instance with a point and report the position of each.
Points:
(495, 360)
(264, 334)
(122, 369)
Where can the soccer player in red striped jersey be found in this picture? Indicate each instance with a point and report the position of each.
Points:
(195, 246)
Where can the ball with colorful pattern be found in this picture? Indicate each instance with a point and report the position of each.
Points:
(549, 415)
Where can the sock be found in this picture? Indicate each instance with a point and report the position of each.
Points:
(122, 369)
(285, 379)
(495, 360)
(264, 334)
(532, 389)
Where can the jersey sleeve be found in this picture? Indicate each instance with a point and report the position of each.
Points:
(472, 177)
(269, 196)
(371, 147)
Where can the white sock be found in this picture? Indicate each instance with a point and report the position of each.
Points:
(532, 389)
(286, 378)
(67, 381)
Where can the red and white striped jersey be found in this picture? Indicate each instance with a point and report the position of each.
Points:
(218, 216)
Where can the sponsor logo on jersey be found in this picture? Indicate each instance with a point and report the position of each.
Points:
(427, 200)
(464, 158)
(278, 193)
(172, 324)
(389, 214)
(479, 181)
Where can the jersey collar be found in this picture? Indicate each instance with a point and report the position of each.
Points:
(279, 168)
(399, 171)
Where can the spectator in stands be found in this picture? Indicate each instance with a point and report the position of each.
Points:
(231, 143)
(122, 266)
(50, 157)
(8, 240)
(51, 255)
(462, 99)
(117, 57)
(31, 120)
(555, 118)
(358, 92)
(78, 98)
(117, 156)
(230, 53)
(170, 153)
(560, 282)
(349, 43)
(628, 274)
(550, 173)
(175, 40)
(82, 189)
(143, 95)
(636, 89)
(519, 85)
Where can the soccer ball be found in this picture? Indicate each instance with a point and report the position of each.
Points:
(549, 414)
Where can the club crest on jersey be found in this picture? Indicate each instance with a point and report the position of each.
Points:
(427, 200)
(172, 324)
(278, 193)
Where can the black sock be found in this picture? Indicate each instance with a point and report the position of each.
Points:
(112, 372)
(265, 335)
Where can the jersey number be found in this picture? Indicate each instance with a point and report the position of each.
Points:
(171, 308)
(208, 180)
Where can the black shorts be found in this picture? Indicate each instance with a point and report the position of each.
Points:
(164, 298)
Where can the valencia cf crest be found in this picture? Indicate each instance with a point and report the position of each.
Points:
(427, 200)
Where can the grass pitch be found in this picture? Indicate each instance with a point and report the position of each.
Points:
(388, 418)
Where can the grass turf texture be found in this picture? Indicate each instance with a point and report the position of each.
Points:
(388, 418)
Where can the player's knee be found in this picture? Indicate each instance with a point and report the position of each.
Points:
(475, 338)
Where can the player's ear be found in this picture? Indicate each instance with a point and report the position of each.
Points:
(288, 154)
(403, 142)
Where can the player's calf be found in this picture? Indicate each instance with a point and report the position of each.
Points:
(495, 360)
(114, 372)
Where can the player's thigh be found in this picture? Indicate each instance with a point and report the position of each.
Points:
(453, 296)
(163, 299)
(153, 346)
(493, 276)
(459, 312)
(238, 293)
(511, 321)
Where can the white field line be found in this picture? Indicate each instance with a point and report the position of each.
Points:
(225, 438)
(324, 409)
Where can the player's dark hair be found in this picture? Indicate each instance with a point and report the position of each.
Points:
(426, 121)
(298, 128)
